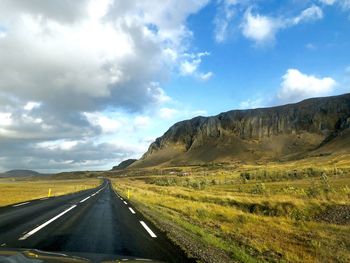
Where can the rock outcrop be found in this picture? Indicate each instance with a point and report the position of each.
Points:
(268, 133)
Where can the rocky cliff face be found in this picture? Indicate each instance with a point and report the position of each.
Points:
(284, 130)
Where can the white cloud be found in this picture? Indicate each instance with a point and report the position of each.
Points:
(263, 29)
(31, 105)
(67, 66)
(98, 52)
(344, 4)
(312, 13)
(57, 145)
(223, 19)
(167, 113)
(206, 76)
(5, 119)
(259, 28)
(190, 66)
(297, 86)
(105, 123)
(142, 121)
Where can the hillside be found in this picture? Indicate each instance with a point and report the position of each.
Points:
(124, 164)
(311, 127)
(20, 173)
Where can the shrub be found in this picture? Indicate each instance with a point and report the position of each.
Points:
(259, 189)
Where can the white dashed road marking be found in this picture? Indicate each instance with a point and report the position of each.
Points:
(46, 223)
(125, 203)
(150, 232)
(21, 204)
(131, 210)
(82, 201)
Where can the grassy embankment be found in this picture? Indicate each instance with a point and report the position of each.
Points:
(20, 190)
(278, 212)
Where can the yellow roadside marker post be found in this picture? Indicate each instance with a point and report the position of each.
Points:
(49, 193)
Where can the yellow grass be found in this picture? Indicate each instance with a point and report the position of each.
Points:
(16, 191)
(278, 224)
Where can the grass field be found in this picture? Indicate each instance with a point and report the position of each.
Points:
(15, 191)
(275, 213)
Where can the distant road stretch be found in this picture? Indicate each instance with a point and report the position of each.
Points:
(93, 221)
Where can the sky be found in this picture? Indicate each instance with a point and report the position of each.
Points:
(86, 84)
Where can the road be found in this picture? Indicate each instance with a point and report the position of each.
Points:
(94, 221)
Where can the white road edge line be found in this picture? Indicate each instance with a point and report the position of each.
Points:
(46, 223)
(21, 204)
(150, 232)
(44, 198)
(4, 244)
(131, 210)
(125, 203)
(82, 201)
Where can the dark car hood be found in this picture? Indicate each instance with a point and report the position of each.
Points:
(39, 256)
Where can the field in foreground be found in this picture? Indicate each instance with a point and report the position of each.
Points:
(16, 191)
(275, 213)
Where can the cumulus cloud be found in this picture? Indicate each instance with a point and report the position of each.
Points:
(263, 29)
(297, 86)
(259, 28)
(104, 123)
(99, 52)
(190, 66)
(65, 65)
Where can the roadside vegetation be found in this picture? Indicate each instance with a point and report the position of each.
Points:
(294, 212)
(19, 190)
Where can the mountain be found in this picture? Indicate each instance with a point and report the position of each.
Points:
(20, 173)
(124, 164)
(310, 127)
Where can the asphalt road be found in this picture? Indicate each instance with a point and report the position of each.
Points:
(93, 221)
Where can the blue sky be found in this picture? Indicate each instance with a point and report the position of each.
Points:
(87, 84)
(246, 70)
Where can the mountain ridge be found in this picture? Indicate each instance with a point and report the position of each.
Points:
(273, 133)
